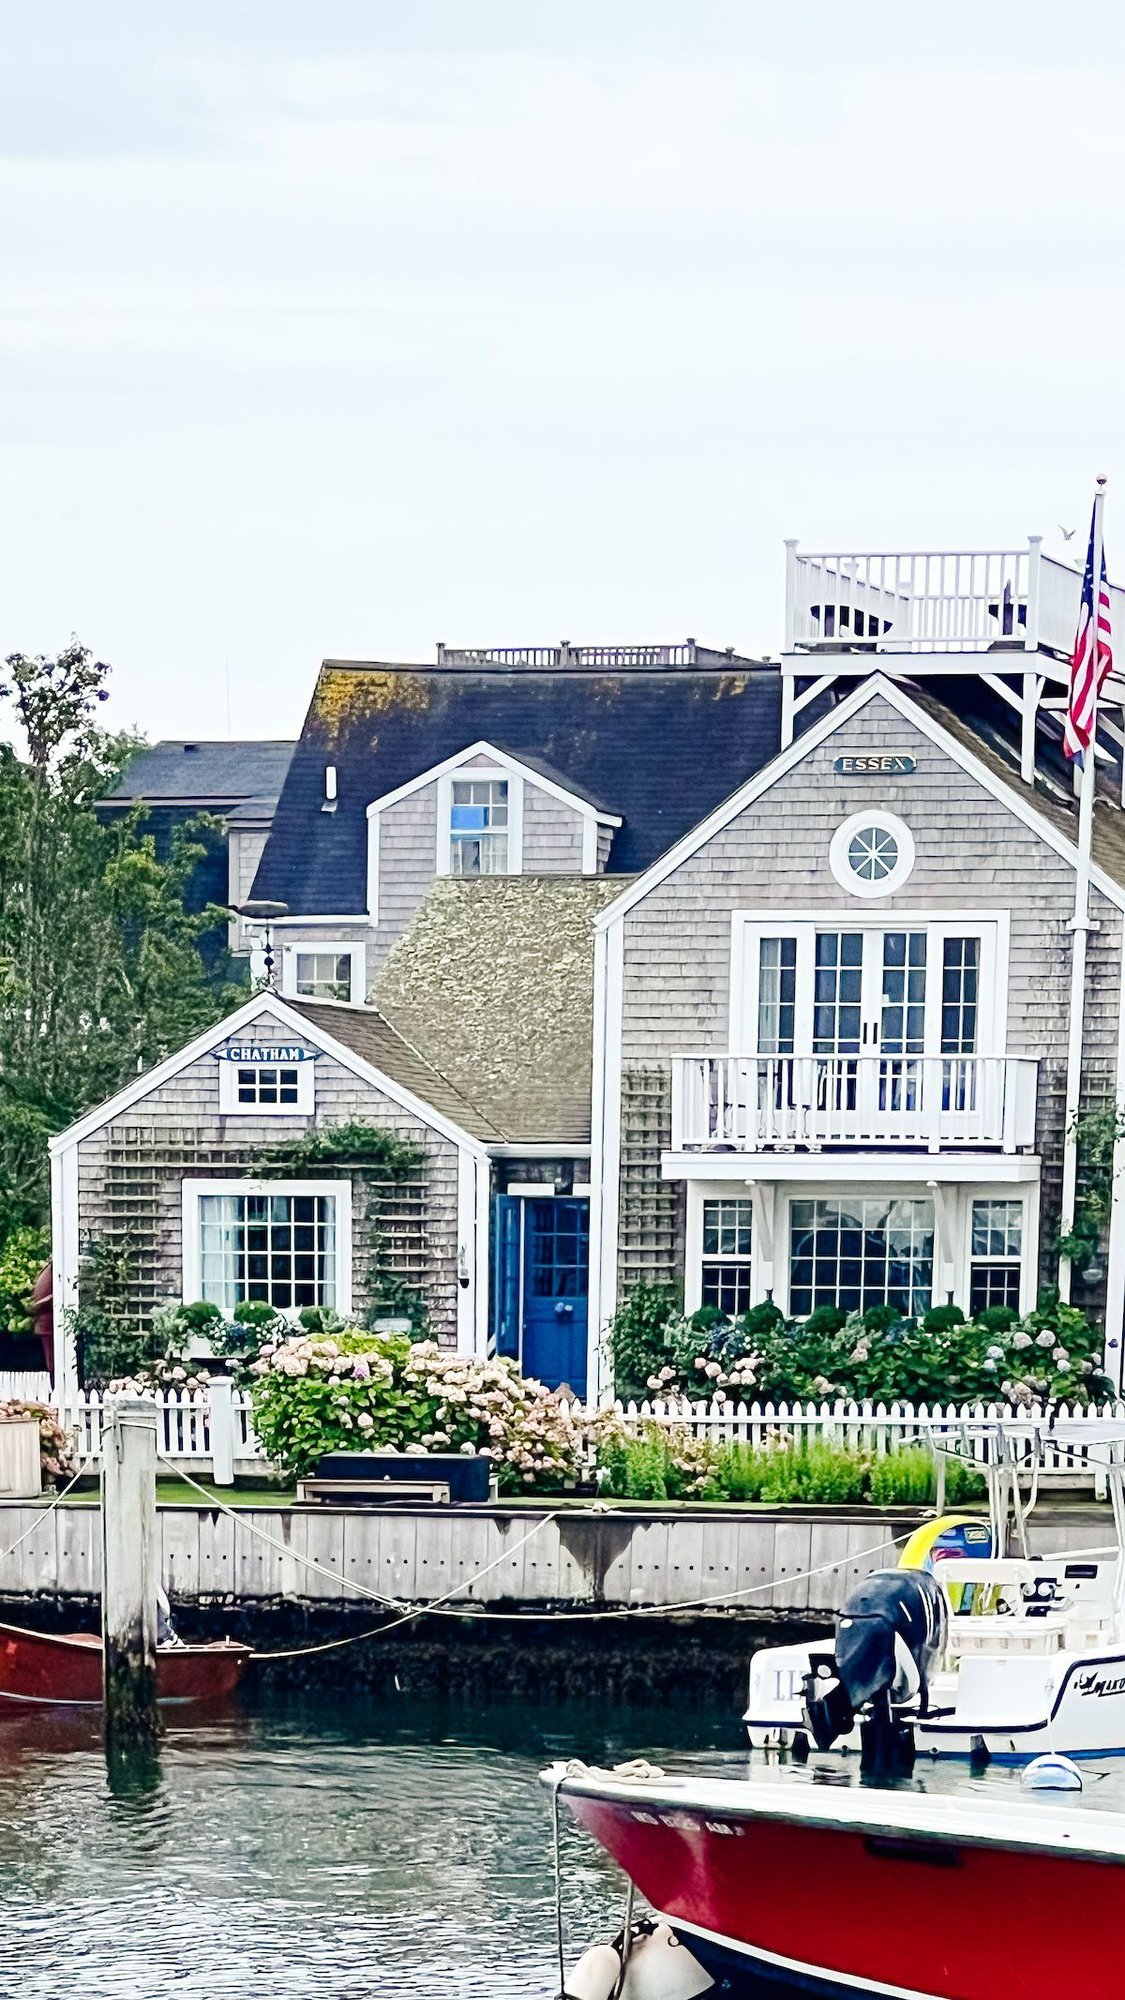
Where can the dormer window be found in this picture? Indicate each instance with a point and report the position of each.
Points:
(478, 826)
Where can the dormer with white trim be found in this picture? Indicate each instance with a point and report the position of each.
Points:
(479, 813)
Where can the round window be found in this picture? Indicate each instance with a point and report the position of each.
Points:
(872, 854)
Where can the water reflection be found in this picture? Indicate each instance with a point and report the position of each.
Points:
(330, 1849)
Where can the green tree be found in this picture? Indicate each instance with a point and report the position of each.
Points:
(100, 970)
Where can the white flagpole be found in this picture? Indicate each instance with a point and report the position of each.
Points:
(1080, 924)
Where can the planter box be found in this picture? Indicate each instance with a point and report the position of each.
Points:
(467, 1478)
(20, 1471)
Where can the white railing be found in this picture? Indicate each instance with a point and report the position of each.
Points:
(677, 654)
(935, 601)
(876, 1428)
(750, 1104)
(957, 600)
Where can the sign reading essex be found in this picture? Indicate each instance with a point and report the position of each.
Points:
(265, 1052)
(892, 763)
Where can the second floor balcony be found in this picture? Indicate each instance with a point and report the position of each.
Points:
(751, 1104)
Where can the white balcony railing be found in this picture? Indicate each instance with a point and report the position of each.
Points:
(751, 1104)
(935, 601)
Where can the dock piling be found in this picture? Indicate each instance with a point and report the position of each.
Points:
(130, 1572)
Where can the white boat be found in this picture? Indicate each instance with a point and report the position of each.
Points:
(1032, 1652)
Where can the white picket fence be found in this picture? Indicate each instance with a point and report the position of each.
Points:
(211, 1430)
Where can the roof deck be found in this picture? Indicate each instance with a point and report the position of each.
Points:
(934, 601)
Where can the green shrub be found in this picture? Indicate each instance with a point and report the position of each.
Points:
(903, 1478)
(942, 1319)
(23, 1256)
(637, 1339)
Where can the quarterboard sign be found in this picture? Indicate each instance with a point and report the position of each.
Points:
(887, 763)
(265, 1052)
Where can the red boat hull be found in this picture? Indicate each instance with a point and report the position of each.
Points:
(67, 1671)
(815, 1909)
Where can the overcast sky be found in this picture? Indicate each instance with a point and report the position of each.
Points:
(340, 328)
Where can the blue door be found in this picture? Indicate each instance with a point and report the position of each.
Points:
(556, 1285)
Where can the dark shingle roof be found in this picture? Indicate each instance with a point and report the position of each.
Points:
(192, 772)
(523, 947)
(989, 730)
(661, 748)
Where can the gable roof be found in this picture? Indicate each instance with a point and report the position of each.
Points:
(658, 747)
(1048, 818)
(407, 1078)
(194, 773)
(524, 767)
(494, 982)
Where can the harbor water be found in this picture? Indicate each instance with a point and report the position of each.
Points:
(327, 1848)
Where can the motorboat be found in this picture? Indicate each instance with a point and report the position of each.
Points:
(770, 1887)
(65, 1670)
(1026, 1653)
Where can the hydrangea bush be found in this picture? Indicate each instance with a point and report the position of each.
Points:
(1053, 1353)
(318, 1393)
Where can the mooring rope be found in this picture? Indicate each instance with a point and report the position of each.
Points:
(442, 1607)
(46, 1512)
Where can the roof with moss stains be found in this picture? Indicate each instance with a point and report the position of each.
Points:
(660, 747)
(508, 1023)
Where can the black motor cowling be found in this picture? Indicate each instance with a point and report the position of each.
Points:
(889, 1641)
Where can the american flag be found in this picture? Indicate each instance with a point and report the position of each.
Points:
(1091, 661)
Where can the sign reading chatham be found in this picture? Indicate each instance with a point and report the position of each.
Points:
(891, 763)
(265, 1052)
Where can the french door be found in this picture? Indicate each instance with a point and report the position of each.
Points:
(883, 1025)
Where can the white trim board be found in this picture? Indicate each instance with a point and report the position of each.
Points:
(787, 760)
(505, 763)
(270, 1006)
(191, 1276)
(843, 1169)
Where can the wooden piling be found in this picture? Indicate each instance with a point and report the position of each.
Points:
(130, 1571)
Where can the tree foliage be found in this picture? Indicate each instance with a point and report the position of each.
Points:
(100, 969)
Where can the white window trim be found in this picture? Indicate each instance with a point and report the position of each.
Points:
(953, 1215)
(1029, 1252)
(992, 926)
(699, 1192)
(356, 955)
(883, 822)
(191, 1272)
(470, 773)
(229, 1106)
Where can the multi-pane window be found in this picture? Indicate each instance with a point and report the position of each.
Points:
(277, 1247)
(777, 995)
(267, 1083)
(478, 826)
(861, 1251)
(996, 1255)
(726, 1255)
(323, 975)
(838, 993)
(902, 1028)
(960, 995)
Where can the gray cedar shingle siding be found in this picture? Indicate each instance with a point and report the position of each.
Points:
(972, 853)
(130, 1176)
(552, 835)
(407, 865)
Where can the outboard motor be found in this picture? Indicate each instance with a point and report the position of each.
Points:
(889, 1641)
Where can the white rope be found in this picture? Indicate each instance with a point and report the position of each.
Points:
(443, 1608)
(46, 1512)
